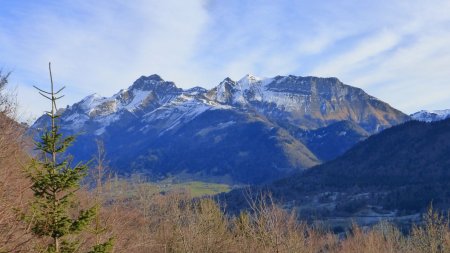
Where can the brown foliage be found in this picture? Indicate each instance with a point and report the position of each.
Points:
(140, 219)
(14, 187)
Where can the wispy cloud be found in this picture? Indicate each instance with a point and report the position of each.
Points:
(395, 50)
(99, 46)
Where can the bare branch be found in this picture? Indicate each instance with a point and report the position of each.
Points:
(43, 91)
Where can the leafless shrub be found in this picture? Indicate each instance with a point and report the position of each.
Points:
(433, 235)
(14, 192)
(8, 101)
(382, 238)
(269, 228)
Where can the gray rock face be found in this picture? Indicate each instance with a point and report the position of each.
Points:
(248, 131)
(308, 102)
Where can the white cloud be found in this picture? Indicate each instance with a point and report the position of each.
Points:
(102, 47)
(395, 50)
(413, 77)
(356, 56)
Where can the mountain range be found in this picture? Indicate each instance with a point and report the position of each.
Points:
(249, 131)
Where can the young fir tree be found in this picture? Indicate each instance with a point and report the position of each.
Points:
(54, 182)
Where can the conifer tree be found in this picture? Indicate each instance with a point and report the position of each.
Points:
(54, 182)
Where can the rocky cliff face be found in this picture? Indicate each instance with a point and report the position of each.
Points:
(247, 131)
(307, 102)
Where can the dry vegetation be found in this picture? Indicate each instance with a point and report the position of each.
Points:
(140, 219)
(146, 221)
(14, 187)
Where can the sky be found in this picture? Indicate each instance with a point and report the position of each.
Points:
(396, 50)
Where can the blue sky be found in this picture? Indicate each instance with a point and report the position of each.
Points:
(398, 51)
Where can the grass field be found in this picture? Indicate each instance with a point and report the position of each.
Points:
(198, 188)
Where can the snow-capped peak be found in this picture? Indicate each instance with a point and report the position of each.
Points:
(224, 91)
(196, 90)
(249, 79)
(146, 93)
(431, 115)
(228, 80)
(153, 77)
(91, 101)
(153, 83)
(91, 98)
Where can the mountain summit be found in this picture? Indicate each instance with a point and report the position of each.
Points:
(247, 131)
(429, 116)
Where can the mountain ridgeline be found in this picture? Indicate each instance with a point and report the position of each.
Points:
(249, 131)
(430, 116)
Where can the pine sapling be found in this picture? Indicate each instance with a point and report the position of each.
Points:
(54, 183)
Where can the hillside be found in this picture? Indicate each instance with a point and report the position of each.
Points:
(411, 154)
(399, 171)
